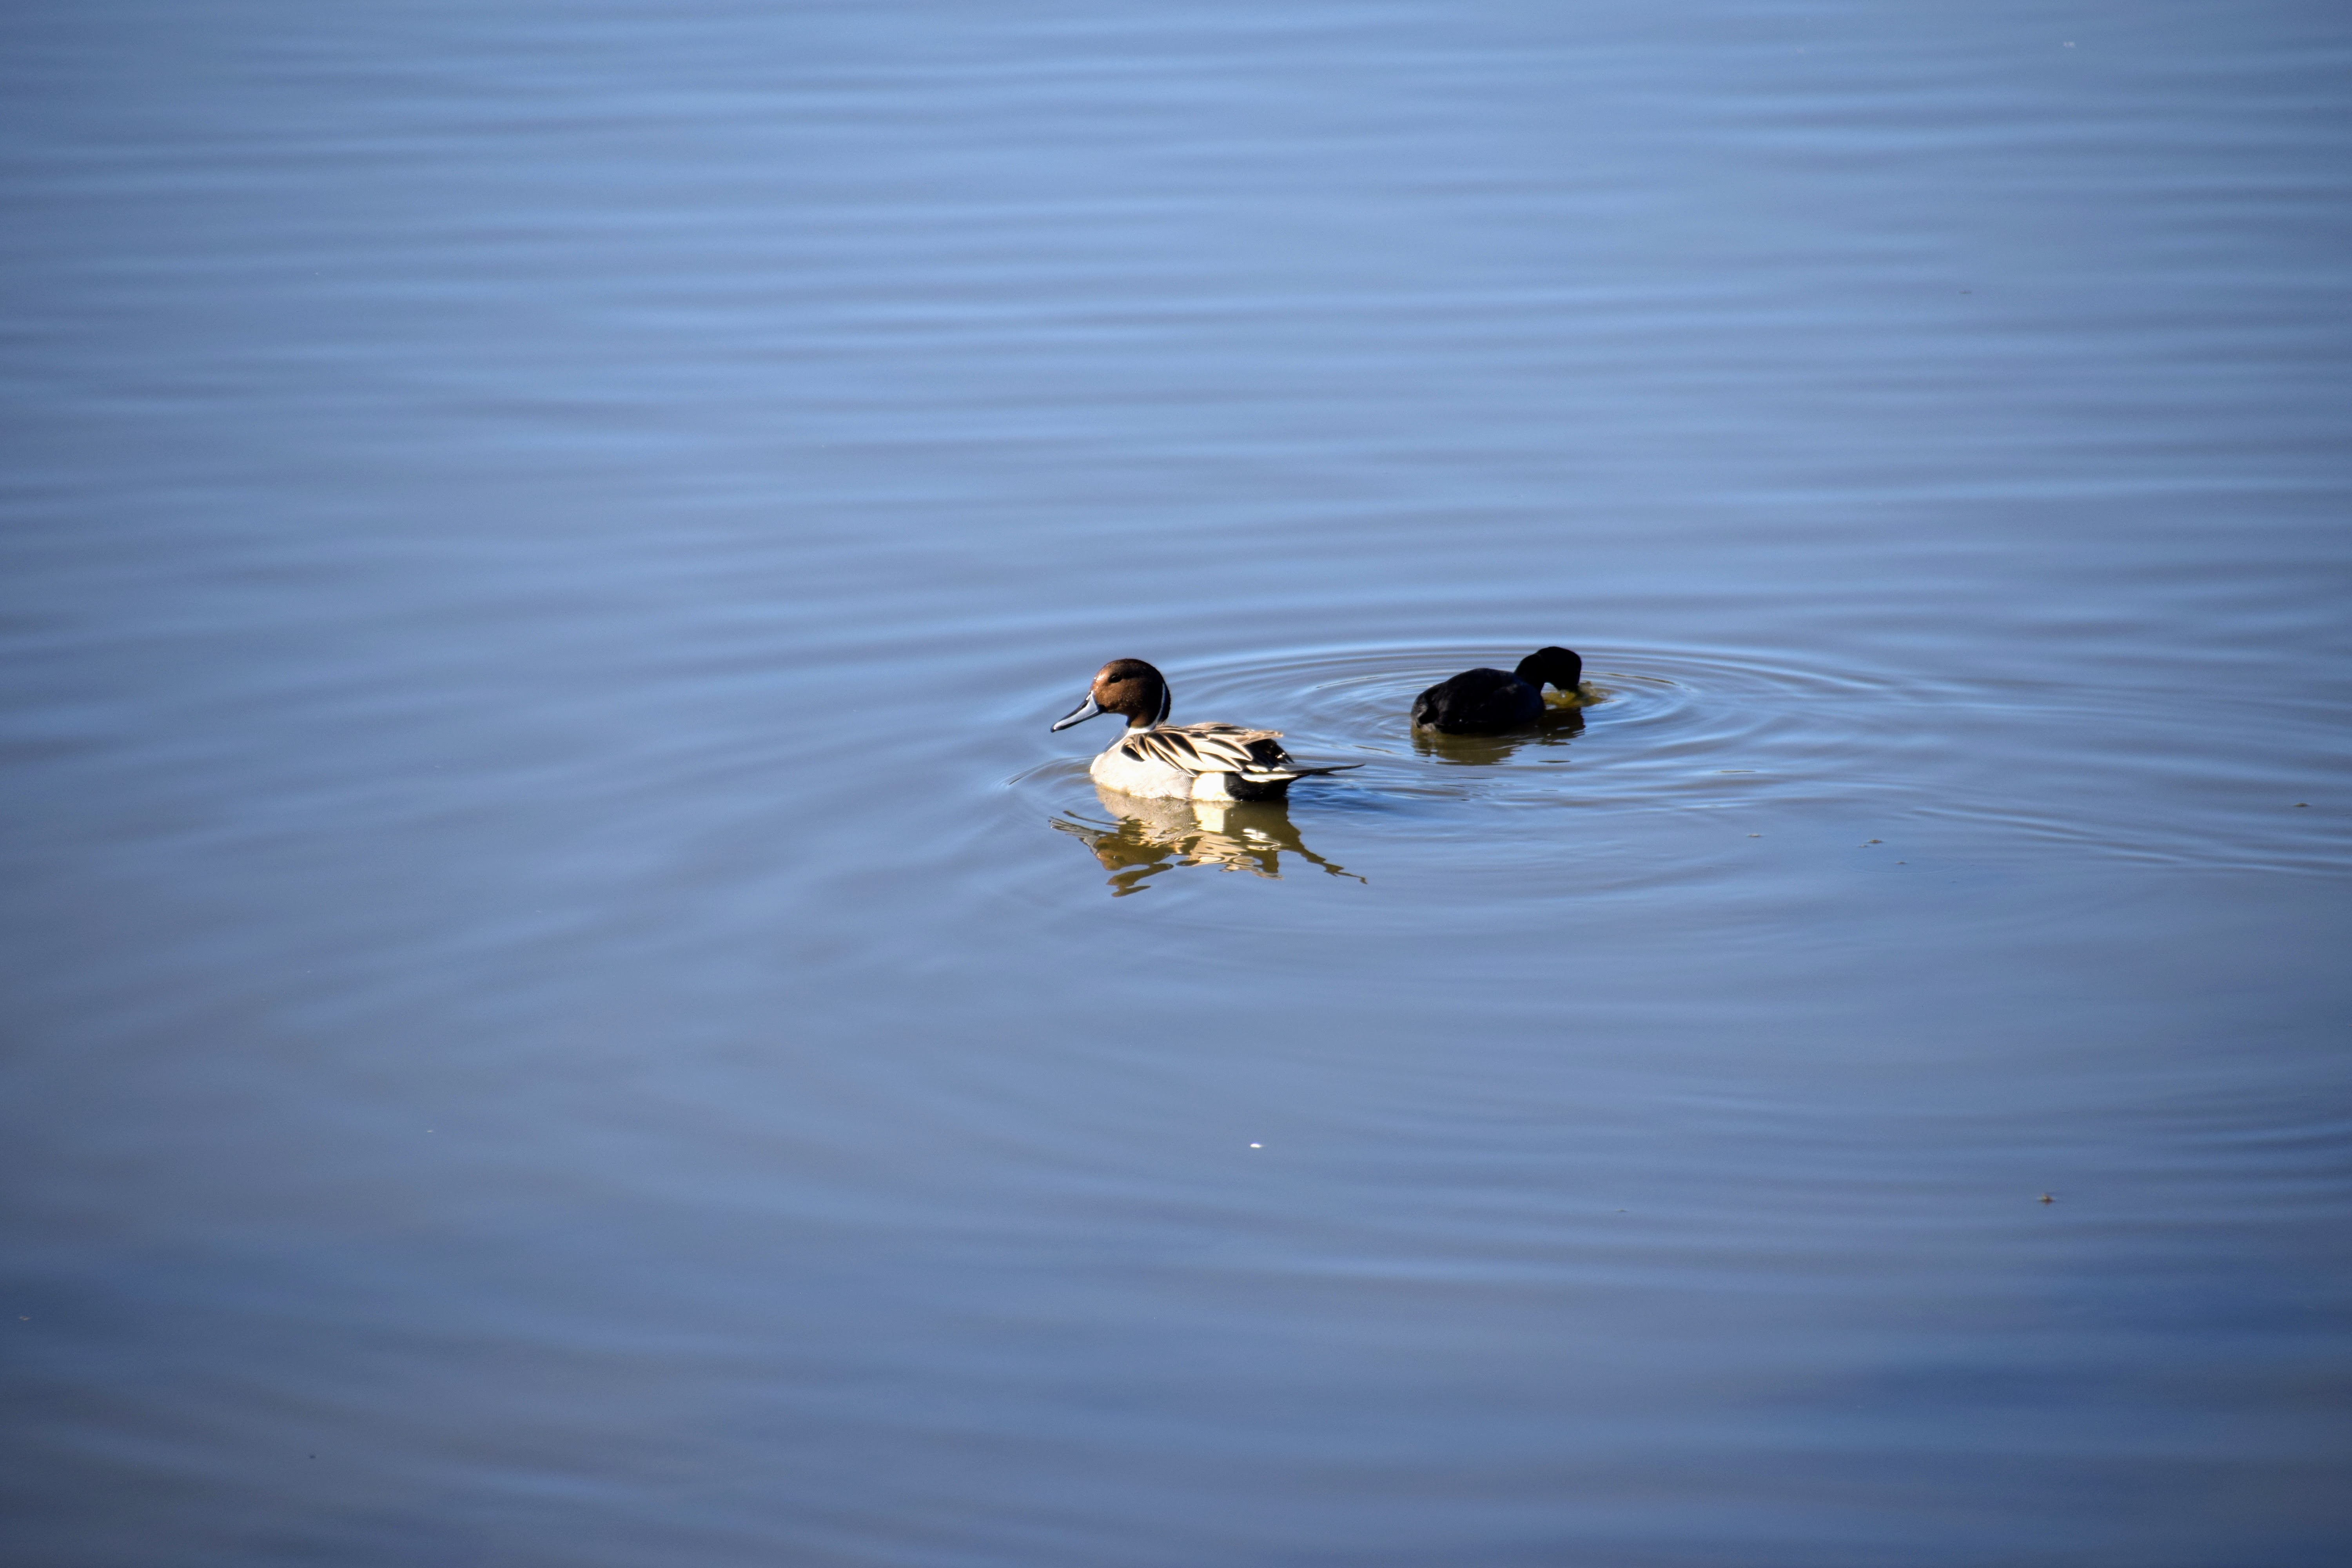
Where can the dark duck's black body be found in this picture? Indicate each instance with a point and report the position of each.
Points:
(1489, 701)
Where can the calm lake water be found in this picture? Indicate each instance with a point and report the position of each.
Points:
(562, 1006)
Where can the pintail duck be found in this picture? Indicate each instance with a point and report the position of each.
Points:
(1178, 762)
(1486, 701)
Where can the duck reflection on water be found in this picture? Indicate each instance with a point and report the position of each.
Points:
(1146, 837)
(1558, 723)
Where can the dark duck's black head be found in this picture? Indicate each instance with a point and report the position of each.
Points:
(1488, 701)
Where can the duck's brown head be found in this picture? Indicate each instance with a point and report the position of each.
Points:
(1125, 686)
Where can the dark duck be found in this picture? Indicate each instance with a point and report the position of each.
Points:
(1489, 701)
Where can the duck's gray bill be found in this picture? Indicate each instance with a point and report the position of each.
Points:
(1084, 711)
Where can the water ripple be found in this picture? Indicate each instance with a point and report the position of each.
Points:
(1661, 726)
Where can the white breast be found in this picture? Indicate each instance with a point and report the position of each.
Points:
(1148, 778)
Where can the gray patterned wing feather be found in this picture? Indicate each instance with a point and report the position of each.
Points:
(1210, 749)
(1223, 748)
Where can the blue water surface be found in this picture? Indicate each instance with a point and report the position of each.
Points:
(562, 1006)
